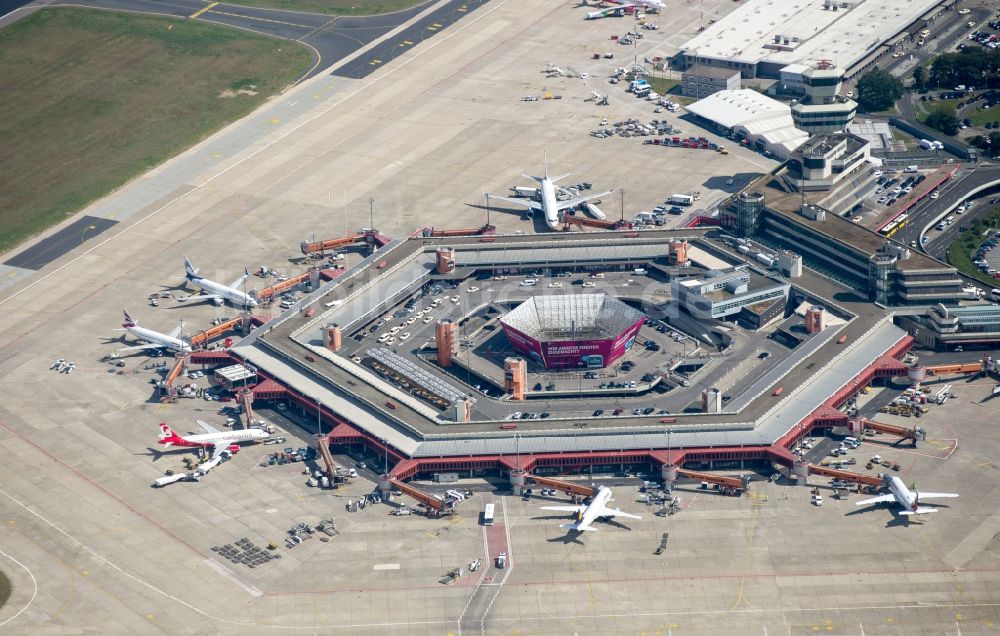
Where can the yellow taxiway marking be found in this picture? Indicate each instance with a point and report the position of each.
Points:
(207, 7)
(275, 121)
(434, 27)
(375, 62)
(463, 8)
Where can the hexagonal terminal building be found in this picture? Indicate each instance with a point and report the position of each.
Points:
(571, 331)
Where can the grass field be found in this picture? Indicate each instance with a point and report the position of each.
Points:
(5, 589)
(335, 7)
(94, 98)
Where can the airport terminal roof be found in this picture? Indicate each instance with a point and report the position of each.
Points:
(836, 227)
(792, 31)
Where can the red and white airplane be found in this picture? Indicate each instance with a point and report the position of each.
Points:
(219, 440)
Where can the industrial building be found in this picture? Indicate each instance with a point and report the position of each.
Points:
(700, 81)
(723, 294)
(790, 32)
(580, 330)
(890, 273)
(945, 328)
(764, 123)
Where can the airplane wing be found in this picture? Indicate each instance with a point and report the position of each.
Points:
(579, 527)
(239, 281)
(139, 347)
(921, 495)
(879, 499)
(562, 508)
(208, 427)
(200, 297)
(534, 205)
(575, 201)
(614, 512)
(218, 449)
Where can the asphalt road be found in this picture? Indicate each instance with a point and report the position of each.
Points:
(956, 191)
(70, 237)
(6, 6)
(332, 38)
(416, 33)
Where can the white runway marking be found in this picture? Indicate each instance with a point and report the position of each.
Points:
(34, 592)
(224, 571)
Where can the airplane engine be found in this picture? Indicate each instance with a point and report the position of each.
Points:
(217, 301)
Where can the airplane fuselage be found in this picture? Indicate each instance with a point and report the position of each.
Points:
(647, 4)
(550, 207)
(157, 338)
(904, 497)
(213, 439)
(593, 511)
(234, 296)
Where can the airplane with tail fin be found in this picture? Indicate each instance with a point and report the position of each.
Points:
(549, 205)
(584, 516)
(910, 501)
(219, 440)
(154, 339)
(217, 292)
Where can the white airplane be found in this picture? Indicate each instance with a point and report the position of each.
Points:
(217, 292)
(650, 5)
(910, 501)
(219, 440)
(155, 339)
(654, 5)
(554, 71)
(586, 515)
(549, 206)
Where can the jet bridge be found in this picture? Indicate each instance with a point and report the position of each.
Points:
(565, 486)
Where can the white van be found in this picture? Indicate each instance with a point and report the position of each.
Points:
(529, 282)
(639, 271)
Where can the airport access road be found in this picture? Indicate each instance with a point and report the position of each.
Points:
(955, 192)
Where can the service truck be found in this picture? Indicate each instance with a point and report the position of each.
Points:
(168, 479)
(680, 199)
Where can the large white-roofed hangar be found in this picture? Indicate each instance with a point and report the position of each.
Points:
(585, 330)
(787, 32)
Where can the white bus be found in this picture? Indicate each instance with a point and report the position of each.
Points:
(488, 514)
(995, 295)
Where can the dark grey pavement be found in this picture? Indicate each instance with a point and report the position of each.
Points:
(416, 33)
(49, 249)
(6, 6)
